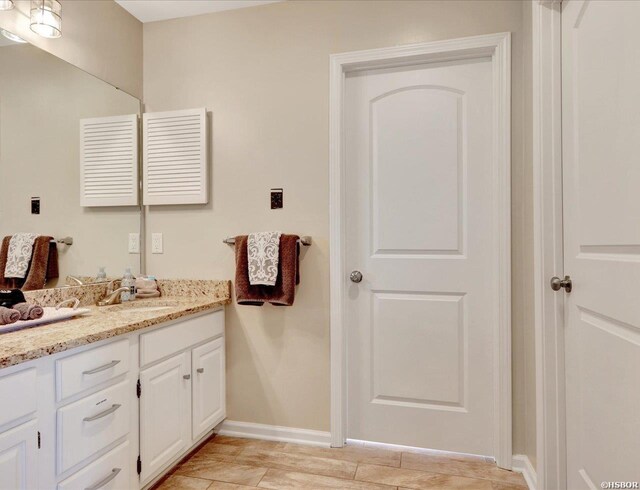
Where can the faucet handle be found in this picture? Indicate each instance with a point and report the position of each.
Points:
(111, 286)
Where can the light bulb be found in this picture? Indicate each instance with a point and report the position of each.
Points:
(46, 19)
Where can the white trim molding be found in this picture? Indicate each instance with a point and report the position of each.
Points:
(548, 250)
(521, 464)
(498, 48)
(278, 433)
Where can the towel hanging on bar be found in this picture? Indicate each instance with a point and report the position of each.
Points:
(304, 240)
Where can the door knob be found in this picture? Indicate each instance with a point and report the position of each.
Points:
(355, 276)
(557, 284)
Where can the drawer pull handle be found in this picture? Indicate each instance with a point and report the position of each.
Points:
(200, 370)
(102, 414)
(187, 376)
(105, 480)
(101, 368)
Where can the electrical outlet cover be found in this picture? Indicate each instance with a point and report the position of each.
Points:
(134, 243)
(156, 243)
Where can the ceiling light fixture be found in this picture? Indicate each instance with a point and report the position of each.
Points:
(12, 37)
(46, 18)
(6, 4)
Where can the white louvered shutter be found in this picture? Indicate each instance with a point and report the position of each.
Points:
(109, 161)
(175, 157)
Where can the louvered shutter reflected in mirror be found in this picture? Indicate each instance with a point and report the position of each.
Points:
(175, 157)
(109, 161)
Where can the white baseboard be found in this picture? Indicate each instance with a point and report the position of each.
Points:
(274, 433)
(521, 464)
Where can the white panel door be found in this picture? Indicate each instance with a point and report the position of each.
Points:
(165, 413)
(601, 147)
(18, 457)
(208, 396)
(419, 229)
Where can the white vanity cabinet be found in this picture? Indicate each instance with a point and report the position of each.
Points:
(115, 414)
(208, 386)
(182, 389)
(18, 457)
(165, 413)
(18, 430)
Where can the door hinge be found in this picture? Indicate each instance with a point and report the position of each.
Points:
(39, 440)
(139, 465)
(138, 389)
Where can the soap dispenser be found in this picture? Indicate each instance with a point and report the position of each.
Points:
(128, 281)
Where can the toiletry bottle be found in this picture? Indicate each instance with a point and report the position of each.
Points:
(102, 275)
(128, 282)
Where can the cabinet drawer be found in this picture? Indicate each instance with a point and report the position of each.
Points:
(22, 391)
(75, 374)
(172, 339)
(110, 472)
(91, 424)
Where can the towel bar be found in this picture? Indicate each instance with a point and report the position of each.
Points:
(66, 240)
(304, 240)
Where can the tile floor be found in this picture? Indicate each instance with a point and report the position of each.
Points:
(229, 463)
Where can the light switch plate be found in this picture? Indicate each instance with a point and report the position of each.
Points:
(156, 243)
(277, 196)
(134, 243)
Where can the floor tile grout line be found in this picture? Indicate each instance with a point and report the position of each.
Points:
(262, 477)
(327, 457)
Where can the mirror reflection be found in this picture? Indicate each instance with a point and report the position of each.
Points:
(49, 239)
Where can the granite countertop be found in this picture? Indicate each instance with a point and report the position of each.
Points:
(179, 299)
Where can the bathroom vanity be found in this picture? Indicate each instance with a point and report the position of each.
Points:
(115, 398)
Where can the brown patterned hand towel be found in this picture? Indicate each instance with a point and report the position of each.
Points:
(283, 293)
(8, 316)
(29, 312)
(43, 266)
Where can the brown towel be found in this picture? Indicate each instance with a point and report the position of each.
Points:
(43, 266)
(8, 316)
(283, 293)
(28, 312)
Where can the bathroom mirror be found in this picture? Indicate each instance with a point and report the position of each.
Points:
(42, 100)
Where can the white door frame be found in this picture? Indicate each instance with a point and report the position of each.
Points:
(498, 48)
(551, 468)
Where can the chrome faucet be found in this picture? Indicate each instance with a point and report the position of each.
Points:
(112, 297)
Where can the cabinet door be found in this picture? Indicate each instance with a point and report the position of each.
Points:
(18, 457)
(165, 413)
(208, 386)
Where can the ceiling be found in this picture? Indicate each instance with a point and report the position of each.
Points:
(153, 10)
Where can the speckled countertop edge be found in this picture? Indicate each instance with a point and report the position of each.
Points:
(106, 322)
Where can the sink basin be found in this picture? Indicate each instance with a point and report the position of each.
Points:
(148, 308)
(135, 307)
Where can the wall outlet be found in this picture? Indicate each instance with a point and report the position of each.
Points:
(156, 243)
(134, 243)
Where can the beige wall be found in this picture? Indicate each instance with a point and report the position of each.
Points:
(98, 36)
(42, 100)
(263, 73)
(524, 379)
